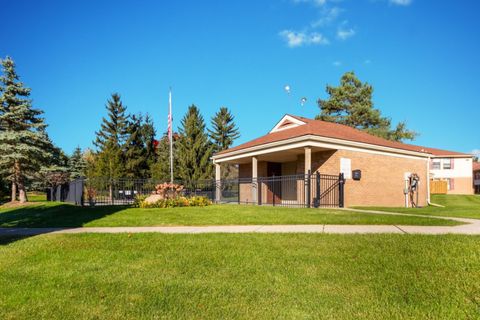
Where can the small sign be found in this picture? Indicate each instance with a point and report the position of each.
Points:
(346, 167)
(357, 175)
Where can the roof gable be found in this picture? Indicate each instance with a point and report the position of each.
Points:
(287, 122)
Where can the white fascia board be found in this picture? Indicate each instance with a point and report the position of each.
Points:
(452, 156)
(317, 141)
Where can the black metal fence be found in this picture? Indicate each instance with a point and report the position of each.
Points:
(310, 190)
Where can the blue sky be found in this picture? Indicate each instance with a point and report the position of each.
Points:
(420, 56)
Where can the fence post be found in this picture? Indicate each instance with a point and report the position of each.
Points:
(274, 191)
(317, 189)
(258, 190)
(309, 188)
(341, 190)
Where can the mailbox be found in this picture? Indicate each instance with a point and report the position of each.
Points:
(356, 174)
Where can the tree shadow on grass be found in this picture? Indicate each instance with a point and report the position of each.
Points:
(49, 215)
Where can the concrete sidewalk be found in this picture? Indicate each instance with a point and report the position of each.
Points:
(471, 227)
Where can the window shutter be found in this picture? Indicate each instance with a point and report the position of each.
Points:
(452, 184)
(452, 161)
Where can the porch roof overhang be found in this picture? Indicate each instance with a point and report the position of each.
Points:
(314, 141)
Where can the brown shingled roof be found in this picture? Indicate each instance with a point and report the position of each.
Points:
(337, 131)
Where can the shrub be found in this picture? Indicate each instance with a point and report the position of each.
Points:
(176, 202)
(139, 198)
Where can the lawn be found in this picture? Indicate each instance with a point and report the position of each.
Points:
(52, 214)
(247, 276)
(466, 206)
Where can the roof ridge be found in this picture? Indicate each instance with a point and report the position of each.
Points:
(340, 131)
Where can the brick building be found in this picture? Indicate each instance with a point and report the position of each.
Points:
(298, 145)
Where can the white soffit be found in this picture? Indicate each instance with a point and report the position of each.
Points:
(287, 122)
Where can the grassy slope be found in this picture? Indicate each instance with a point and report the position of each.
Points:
(64, 215)
(240, 276)
(467, 206)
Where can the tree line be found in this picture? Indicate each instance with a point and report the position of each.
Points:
(126, 146)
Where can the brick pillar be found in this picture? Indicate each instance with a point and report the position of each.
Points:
(218, 178)
(254, 180)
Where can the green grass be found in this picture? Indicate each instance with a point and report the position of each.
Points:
(248, 276)
(466, 206)
(64, 215)
(36, 196)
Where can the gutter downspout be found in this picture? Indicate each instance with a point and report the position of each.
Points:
(428, 181)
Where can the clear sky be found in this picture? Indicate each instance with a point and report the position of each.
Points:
(422, 57)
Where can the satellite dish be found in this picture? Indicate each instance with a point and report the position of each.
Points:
(287, 88)
(303, 101)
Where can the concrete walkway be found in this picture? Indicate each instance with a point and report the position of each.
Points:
(470, 226)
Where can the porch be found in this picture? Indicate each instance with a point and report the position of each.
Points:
(286, 177)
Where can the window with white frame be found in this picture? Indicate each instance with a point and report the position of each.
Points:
(447, 164)
(436, 164)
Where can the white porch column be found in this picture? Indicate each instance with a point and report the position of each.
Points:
(218, 178)
(254, 180)
(308, 159)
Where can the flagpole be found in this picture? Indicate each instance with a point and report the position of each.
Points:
(170, 132)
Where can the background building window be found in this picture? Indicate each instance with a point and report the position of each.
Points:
(447, 164)
(436, 164)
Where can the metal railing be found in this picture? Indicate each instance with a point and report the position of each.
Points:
(310, 190)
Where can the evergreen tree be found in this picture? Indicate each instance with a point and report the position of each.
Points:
(54, 171)
(160, 170)
(148, 137)
(224, 131)
(110, 140)
(77, 164)
(351, 104)
(23, 139)
(114, 128)
(135, 151)
(223, 134)
(194, 148)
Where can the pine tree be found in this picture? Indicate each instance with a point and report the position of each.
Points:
(148, 137)
(109, 159)
(23, 147)
(224, 131)
(110, 140)
(194, 148)
(113, 130)
(160, 170)
(135, 151)
(351, 104)
(54, 171)
(77, 164)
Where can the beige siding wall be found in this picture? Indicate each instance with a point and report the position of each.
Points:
(462, 186)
